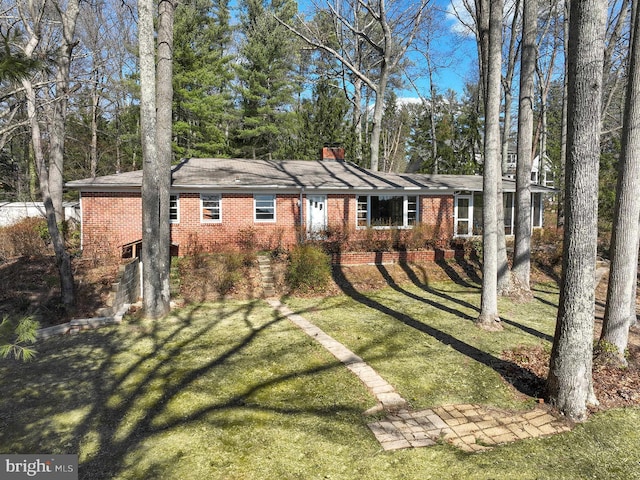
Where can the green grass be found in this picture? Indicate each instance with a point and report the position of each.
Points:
(232, 391)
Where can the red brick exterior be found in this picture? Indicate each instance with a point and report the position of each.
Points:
(380, 258)
(112, 220)
(437, 212)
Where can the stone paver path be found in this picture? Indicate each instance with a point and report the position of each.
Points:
(388, 398)
(472, 428)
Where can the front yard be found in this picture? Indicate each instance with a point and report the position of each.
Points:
(230, 390)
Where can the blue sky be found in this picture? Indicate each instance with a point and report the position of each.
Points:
(455, 53)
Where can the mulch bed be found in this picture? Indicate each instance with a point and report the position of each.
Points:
(614, 387)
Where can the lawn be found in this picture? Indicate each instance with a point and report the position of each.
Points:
(230, 390)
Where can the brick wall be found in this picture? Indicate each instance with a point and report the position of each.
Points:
(437, 212)
(238, 229)
(381, 258)
(111, 220)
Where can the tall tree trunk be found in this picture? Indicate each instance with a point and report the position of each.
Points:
(164, 104)
(151, 281)
(357, 119)
(68, 18)
(50, 176)
(624, 241)
(95, 104)
(378, 110)
(63, 261)
(570, 382)
(488, 317)
(522, 248)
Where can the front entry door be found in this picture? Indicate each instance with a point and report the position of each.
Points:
(316, 215)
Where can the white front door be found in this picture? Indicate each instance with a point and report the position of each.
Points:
(316, 214)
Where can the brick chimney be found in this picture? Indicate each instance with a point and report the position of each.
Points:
(332, 152)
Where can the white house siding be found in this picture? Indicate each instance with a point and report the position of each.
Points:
(13, 212)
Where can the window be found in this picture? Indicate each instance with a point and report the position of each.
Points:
(264, 208)
(363, 210)
(387, 210)
(536, 210)
(463, 215)
(508, 210)
(468, 211)
(174, 209)
(210, 208)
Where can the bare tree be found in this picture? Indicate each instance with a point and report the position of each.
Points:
(570, 381)
(34, 20)
(488, 317)
(388, 32)
(620, 308)
(522, 248)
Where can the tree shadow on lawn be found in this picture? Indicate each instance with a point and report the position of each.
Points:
(425, 287)
(523, 380)
(128, 402)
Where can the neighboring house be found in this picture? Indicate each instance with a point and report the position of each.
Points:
(13, 212)
(545, 178)
(221, 204)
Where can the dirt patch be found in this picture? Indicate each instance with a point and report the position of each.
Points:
(31, 287)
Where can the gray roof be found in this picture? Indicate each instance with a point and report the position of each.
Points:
(320, 175)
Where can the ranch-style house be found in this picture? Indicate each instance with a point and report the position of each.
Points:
(233, 204)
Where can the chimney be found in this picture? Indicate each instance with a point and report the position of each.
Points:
(332, 151)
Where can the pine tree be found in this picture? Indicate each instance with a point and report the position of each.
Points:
(203, 107)
(267, 84)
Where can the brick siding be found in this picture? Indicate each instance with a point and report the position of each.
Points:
(111, 220)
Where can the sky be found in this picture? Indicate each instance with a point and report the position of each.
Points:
(455, 52)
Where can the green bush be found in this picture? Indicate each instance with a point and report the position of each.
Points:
(309, 269)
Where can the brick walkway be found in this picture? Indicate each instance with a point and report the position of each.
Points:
(472, 428)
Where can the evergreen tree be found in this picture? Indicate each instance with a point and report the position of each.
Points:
(323, 119)
(203, 107)
(266, 79)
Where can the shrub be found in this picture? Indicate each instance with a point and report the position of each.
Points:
(309, 269)
(24, 239)
(231, 273)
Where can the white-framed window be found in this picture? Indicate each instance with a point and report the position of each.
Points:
(174, 208)
(264, 208)
(468, 213)
(210, 208)
(463, 215)
(387, 211)
(536, 210)
(508, 199)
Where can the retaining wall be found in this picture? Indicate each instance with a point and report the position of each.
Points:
(123, 293)
(381, 258)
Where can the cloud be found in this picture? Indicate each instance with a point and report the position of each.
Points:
(461, 18)
(460, 14)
